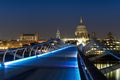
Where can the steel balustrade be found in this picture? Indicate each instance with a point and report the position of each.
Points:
(48, 46)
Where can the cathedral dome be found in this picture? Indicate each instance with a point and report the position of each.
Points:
(81, 26)
(81, 30)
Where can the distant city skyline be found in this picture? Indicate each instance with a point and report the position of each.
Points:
(45, 17)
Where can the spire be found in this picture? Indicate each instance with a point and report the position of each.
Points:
(81, 21)
(58, 34)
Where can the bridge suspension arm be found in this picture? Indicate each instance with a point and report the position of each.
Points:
(89, 69)
(4, 56)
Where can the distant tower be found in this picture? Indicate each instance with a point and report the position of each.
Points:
(93, 35)
(58, 34)
(110, 36)
(36, 36)
(81, 31)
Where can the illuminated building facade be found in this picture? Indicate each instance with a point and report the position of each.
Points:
(81, 34)
(109, 43)
(25, 40)
(81, 30)
(29, 37)
(10, 44)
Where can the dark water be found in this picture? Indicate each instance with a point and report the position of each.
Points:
(114, 75)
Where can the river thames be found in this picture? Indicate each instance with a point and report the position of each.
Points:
(113, 75)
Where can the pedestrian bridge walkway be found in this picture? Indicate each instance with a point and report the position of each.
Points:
(60, 64)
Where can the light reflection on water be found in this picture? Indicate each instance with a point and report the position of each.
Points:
(114, 75)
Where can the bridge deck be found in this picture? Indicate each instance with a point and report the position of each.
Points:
(56, 65)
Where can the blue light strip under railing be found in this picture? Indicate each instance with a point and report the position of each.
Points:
(32, 57)
(70, 77)
(0, 65)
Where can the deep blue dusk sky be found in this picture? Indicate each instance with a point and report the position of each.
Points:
(45, 16)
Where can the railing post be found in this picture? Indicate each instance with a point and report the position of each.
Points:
(36, 51)
(24, 52)
(15, 54)
(4, 56)
(31, 51)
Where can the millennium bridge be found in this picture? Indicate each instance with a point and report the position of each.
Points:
(54, 60)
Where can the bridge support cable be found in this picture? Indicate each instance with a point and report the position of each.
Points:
(89, 70)
(99, 47)
(87, 46)
(18, 56)
(107, 51)
(90, 49)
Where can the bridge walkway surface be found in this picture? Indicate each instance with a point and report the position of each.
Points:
(60, 64)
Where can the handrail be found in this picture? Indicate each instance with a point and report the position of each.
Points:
(106, 51)
(89, 69)
(31, 49)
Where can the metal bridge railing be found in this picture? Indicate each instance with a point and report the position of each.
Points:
(87, 68)
(99, 47)
(34, 50)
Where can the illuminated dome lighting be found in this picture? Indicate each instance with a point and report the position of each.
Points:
(81, 30)
(81, 33)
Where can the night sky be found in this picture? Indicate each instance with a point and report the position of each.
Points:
(46, 16)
